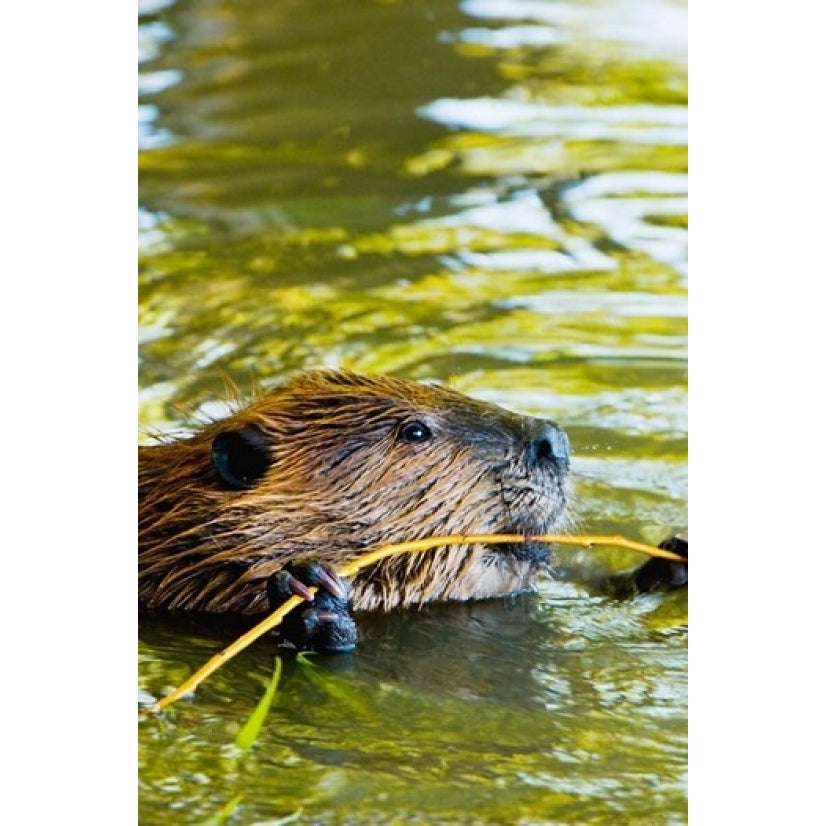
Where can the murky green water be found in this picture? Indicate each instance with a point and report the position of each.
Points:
(486, 193)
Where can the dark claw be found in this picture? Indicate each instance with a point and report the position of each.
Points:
(324, 577)
(283, 585)
(319, 574)
(664, 573)
(326, 625)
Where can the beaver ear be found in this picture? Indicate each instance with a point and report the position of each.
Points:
(240, 457)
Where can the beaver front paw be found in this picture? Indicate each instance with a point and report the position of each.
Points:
(664, 573)
(327, 626)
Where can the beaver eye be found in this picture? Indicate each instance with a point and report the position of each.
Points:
(414, 432)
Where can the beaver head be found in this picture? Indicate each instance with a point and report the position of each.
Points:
(331, 464)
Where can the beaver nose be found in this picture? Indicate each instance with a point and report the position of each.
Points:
(548, 445)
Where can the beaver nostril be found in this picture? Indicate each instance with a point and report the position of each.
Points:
(549, 445)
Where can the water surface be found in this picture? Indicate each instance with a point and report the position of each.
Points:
(484, 193)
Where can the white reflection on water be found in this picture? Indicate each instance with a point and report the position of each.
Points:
(609, 201)
(622, 183)
(537, 260)
(524, 213)
(642, 123)
(150, 83)
(636, 474)
(146, 7)
(151, 39)
(651, 27)
(149, 136)
(151, 235)
(617, 304)
(511, 37)
(633, 411)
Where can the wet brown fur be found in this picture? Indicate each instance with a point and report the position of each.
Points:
(342, 482)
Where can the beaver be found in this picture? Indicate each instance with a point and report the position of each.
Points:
(254, 508)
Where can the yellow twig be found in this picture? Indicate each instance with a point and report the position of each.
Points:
(385, 551)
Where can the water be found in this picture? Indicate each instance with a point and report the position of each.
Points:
(489, 194)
